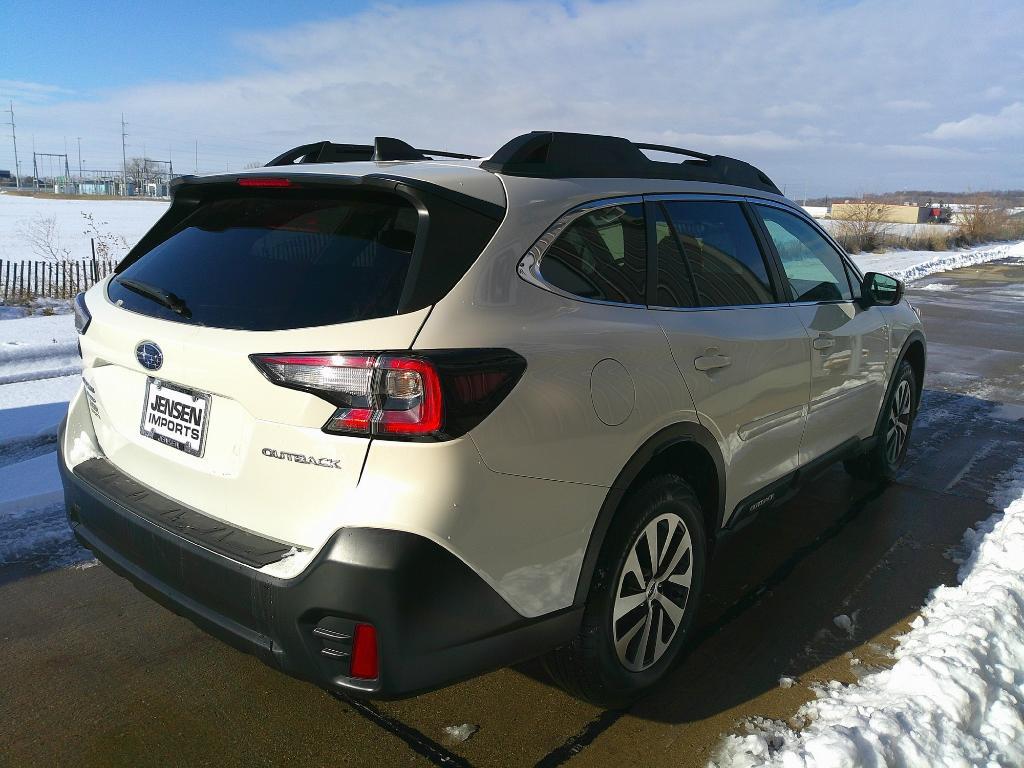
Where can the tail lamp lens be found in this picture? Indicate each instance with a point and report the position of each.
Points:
(82, 315)
(375, 394)
(434, 395)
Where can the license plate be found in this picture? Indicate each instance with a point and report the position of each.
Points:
(175, 416)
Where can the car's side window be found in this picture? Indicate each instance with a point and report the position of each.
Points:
(675, 283)
(721, 254)
(601, 255)
(813, 268)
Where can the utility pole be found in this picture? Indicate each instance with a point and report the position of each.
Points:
(196, 169)
(14, 138)
(79, 157)
(124, 157)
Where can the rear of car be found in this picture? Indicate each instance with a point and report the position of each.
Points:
(390, 424)
(237, 370)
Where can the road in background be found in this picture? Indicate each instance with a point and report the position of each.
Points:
(95, 674)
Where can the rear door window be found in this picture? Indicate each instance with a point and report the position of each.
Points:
(601, 255)
(721, 255)
(270, 262)
(813, 268)
(676, 287)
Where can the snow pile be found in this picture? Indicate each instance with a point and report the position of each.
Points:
(913, 265)
(460, 733)
(291, 565)
(83, 449)
(33, 348)
(955, 696)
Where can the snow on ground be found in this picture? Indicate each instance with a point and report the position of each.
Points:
(955, 696)
(39, 373)
(40, 347)
(130, 219)
(913, 265)
(33, 530)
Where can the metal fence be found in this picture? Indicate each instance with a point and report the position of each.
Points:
(51, 279)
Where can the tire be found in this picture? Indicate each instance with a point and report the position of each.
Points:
(660, 609)
(883, 461)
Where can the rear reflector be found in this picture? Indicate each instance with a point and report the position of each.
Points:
(433, 395)
(264, 181)
(365, 664)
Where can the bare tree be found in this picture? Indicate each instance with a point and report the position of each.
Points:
(43, 237)
(140, 170)
(862, 226)
(982, 220)
(108, 244)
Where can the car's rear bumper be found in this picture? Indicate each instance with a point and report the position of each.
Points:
(437, 621)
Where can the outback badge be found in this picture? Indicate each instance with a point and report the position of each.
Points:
(301, 458)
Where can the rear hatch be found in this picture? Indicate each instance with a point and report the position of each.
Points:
(265, 267)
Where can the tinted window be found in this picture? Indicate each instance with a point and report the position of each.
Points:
(723, 256)
(675, 283)
(813, 268)
(601, 255)
(266, 262)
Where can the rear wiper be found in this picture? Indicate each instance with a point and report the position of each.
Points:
(159, 295)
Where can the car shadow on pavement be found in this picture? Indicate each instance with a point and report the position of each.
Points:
(836, 566)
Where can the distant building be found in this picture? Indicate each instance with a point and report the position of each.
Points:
(5, 175)
(897, 214)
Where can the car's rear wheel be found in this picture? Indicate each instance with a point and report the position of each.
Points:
(643, 599)
(882, 462)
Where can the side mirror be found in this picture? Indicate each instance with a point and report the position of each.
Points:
(881, 290)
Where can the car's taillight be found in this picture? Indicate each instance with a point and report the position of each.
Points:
(429, 395)
(82, 315)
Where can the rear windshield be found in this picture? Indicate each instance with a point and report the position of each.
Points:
(271, 262)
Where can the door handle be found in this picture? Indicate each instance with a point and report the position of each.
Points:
(711, 360)
(824, 341)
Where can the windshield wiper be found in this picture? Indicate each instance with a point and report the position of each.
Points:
(159, 295)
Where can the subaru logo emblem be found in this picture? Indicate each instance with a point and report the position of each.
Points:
(149, 355)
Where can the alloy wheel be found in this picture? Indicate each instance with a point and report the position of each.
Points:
(652, 592)
(899, 422)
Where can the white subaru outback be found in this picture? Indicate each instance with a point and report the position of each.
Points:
(389, 417)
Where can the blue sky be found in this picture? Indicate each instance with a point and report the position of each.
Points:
(828, 97)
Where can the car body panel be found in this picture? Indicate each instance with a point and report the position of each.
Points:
(848, 378)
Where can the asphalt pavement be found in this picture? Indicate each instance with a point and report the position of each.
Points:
(95, 674)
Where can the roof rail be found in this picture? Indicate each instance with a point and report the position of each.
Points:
(556, 155)
(383, 148)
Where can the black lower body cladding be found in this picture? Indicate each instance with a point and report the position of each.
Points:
(437, 621)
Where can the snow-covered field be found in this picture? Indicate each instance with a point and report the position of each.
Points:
(123, 219)
(913, 265)
(955, 696)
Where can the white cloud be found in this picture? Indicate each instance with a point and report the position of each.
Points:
(907, 105)
(793, 109)
(1007, 122)
(30, 92)
(786, 85)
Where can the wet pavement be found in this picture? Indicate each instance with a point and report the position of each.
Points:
(95, 674)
